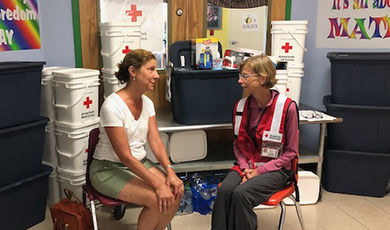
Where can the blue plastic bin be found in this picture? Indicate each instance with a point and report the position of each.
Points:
(359, 173)
(23, 203)
(20, 92)
(21, 150)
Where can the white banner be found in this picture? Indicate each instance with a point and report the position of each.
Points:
(353, 24)
(151, 14)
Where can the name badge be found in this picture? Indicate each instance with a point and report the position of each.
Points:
(271, 144)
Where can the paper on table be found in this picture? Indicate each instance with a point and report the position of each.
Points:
(313, 115)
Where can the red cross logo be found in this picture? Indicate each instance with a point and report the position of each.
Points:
(87, 102)
(288, 90)
(133, 13)
(287, 47)
(126, 50)
(86, 150)
(266, 135)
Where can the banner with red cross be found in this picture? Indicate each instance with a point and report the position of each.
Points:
(151, 15)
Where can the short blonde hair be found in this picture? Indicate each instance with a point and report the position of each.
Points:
(262, 65)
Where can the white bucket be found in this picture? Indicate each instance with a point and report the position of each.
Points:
(117, 39)
(49, 154)
(309, 188)
(72, 144)
(288, 40)
(149, 153)
(53, 193)
(72, 180)
(281, 85)
(47, 108)
(76, 95)
(111, 83)
(295, 75)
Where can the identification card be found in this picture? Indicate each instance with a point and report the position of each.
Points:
(271, 144)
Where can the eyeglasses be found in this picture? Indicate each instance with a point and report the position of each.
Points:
(245, 76)
(310, 114)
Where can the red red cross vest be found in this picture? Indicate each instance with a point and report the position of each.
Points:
(273, 119)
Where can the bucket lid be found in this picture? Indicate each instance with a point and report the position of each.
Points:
(67, 75)
(281, 75)
(47, 71)
(107, 25)
(108, 71)
(66, 172)
(291, 22)
(53, 166)
(294, 65)
(72, 126)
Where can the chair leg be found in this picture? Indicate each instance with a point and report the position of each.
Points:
(282, 215)
(169, 226)
(93, 210)
(299, 212)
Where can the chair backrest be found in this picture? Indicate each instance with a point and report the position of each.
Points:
(92, 142)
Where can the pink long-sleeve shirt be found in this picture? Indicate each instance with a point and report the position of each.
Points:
(290, 149)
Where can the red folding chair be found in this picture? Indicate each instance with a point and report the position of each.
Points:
(93, 195)
(278, 198)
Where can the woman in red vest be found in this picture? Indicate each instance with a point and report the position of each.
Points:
(266, 141)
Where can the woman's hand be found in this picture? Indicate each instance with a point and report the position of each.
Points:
(165, 197)
(176, 184)
(249, 173)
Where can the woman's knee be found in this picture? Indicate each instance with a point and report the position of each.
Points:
(240, 194)
(151, 202)
(225, 189)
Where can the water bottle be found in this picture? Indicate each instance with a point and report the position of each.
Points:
(188, 201)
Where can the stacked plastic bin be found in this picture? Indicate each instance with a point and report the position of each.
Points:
(117, 39)
(24, 180)
(288, 45)
(357, 159)
(75, 100)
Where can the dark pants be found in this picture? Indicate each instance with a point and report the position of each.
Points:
(233, 207)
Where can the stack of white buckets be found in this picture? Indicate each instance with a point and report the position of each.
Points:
(69, 98)
(288, 45)
(117, 39)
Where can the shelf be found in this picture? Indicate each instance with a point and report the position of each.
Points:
(306, 156)
(167, 124)
(219, 156)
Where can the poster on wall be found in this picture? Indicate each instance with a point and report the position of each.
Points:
(250, 22)
(353, 24)
(150, 14)
(19, 25)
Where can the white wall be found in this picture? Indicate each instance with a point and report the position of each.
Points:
(56, 30)
(316, 82)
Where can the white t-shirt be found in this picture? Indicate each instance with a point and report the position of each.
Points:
(115, 113)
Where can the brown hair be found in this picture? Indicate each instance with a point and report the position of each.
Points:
(262, 65)
(135, 58)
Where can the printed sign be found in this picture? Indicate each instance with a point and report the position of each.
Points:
(19, 25)
(250, 22)
(353, 24)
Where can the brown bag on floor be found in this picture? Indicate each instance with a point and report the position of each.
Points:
(70, 214)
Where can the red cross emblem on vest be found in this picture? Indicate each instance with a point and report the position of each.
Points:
(87, 102)
(126, 50)
(86, 150)
(287, 47)
(133, 13)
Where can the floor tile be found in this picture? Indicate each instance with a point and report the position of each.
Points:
(334, 212)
